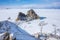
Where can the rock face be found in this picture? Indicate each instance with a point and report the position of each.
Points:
(32, 15)
(29, 16)
(21, 16)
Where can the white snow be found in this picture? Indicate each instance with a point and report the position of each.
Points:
(31, 27)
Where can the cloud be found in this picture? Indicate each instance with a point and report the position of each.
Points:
(56, 3)
(52, 5)
(34, 6)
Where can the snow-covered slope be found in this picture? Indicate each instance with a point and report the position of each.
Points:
(17, 32)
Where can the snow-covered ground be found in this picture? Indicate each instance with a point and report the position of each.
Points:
(52, 17)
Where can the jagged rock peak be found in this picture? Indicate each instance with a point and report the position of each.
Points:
(32, 14)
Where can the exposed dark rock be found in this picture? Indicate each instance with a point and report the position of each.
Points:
(32, 15)
(21, 16)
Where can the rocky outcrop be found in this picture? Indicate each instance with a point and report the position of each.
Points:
(6, 36)
(21, 16)
(32, 15)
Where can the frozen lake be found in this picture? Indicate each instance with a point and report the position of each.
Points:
(52, 17)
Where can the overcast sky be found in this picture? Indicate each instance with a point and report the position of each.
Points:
(31, 3)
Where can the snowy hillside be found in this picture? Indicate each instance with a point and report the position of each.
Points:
(17, 32)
